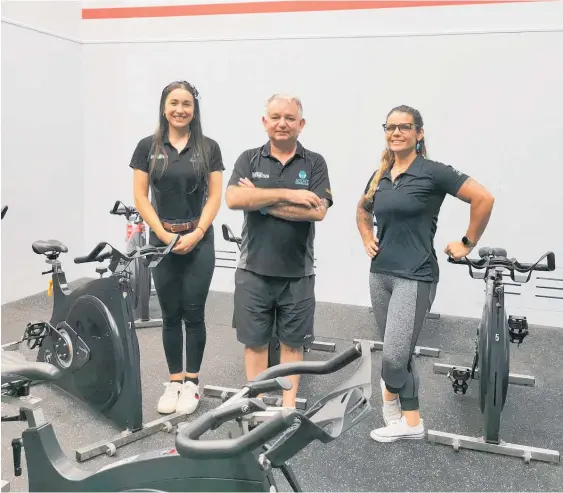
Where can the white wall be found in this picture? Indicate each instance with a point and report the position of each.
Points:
(42, 165)
(487, 100)
(483, 77)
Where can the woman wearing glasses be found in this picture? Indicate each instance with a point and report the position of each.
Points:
(184, 170)
(404, 196)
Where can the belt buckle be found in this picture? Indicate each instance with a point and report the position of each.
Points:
(174, 228)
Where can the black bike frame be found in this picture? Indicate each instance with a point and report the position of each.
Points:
(493, 356)
(122, 401)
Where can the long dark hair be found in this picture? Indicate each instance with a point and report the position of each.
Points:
(201, 155)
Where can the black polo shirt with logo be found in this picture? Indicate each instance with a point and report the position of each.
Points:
(272, 246)
(178, 194)
(406, 213)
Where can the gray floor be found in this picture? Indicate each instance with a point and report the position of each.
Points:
(533, 415)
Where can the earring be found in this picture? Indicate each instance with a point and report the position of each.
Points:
(418, 146)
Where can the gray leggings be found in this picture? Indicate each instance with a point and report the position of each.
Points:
(400, 306)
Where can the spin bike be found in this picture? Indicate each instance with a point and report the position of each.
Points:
(243, 462)
(91, 337)
(491, 362)
(141, 279)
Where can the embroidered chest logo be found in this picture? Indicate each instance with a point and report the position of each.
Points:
(302, 179)
(259, 174)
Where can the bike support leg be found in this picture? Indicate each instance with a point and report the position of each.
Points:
(503, 448)
(513, 378)
(109, 447)
(418, 350)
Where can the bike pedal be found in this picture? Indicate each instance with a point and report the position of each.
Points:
(459, 379)
(35, 332)
(517, 328)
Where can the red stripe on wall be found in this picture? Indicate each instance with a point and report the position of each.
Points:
(272, 7)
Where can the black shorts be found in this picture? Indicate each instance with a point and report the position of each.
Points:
(266, 305)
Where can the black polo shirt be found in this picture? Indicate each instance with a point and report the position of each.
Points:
(272, 246)
(178, 194)
(406, 213)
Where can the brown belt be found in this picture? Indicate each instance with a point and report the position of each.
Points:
(180, 228)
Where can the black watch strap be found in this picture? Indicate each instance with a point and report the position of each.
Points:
(467, 242)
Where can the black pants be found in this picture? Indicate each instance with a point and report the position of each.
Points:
(182, 284)
(263, 303)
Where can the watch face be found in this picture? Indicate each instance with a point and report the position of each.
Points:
(465, 240)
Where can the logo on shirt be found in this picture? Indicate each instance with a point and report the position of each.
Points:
(160, 156)
(259, 174)
(302, 179)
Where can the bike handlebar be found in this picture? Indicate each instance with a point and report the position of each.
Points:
(126, 211)
(240, 404)
(228, 235)
(96, 254)
(188, 445)
(496, 258)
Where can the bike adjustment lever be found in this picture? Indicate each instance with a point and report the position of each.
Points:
(17, 453)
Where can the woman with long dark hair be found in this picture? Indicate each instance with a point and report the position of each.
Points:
(184, 171)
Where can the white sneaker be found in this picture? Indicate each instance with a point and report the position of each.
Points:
(399, 430)
(391, 409)
(189, 398)
(168, 401)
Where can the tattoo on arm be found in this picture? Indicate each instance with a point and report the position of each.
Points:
(364, 217)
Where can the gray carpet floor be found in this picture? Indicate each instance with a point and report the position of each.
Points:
(532, 416)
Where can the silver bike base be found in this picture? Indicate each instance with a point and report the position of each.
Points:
(511, 449)
(5, 485)
(109, 447)
(513, 378)
(269, 400)
(418, 350)
(327, 347)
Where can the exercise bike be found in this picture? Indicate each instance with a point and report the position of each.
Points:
(91, 337)
(141, 282)
(491, 362)
(244, 463)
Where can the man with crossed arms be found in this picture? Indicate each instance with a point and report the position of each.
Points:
(283, 190)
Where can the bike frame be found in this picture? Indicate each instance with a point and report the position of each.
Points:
(202, 465)
(123, 404)
(493, 357)
(136, 236)
(491, 363)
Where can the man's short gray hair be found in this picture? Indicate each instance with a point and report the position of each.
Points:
(286, 97)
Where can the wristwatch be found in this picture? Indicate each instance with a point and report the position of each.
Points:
(467, 242)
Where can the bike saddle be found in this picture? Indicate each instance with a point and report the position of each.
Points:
(495, 252)
(45, 246)
(16, 367)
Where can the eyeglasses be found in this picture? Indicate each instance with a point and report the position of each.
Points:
(403, 127)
